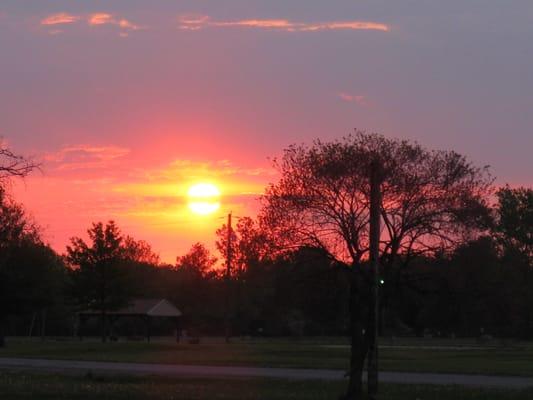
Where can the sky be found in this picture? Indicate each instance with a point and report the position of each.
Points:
(127, 103)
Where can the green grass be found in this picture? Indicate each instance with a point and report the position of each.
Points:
(268, 354)
(22, 386)
(426, 356)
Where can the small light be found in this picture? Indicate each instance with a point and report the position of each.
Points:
(382, 281)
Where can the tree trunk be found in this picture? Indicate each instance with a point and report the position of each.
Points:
(358, 342)
(373, 307)
(103, 324)
(43, 324)
(32, 324)
(2, 332)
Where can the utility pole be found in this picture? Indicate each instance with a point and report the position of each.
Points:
(228, 281)
(375, 209)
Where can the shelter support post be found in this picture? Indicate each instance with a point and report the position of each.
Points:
(178, 329)
(148, 321)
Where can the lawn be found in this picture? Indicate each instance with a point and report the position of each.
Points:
(415, 356)
(22, 386)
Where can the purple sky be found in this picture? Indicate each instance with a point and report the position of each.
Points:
(104, 90)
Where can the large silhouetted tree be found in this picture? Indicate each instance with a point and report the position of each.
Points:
(430, 201)
(31, 273)
(14, 221)
(16, 228)
(99, 273)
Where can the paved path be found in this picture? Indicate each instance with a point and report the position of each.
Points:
(256, 372)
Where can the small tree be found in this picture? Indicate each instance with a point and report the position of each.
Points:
(98, 271)
(430, 200)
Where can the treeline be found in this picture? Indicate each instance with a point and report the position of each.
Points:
(451, 264)
(483, 287)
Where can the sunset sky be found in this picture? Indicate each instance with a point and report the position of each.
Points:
(128, 103)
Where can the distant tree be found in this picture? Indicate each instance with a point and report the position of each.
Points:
(250, 244)
(514, 221)
(99, 274)
(194, 287)
(462, 291)
(140, 251)
(312, 285)
(513, 230)
(198, 261)
(430, 200)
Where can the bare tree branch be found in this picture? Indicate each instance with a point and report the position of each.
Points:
(14, 165)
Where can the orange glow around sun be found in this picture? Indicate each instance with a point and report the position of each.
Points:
(204, 198)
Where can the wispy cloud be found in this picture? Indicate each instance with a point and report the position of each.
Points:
(196, 22)
(357, 99)
(193, 22)
(85, 157)
(181, 169)
(108, 19)
(94, 19)
(100, 19)
(60, 19)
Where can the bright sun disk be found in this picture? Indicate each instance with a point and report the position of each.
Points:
(203, 198)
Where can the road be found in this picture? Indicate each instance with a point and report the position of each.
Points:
(82, 367)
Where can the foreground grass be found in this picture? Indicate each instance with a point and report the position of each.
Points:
(22, 386)
(468, 359)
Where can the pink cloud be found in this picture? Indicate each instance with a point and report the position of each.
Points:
(60, 18)
(95, 19)
(259, 23)
(353, 25)
(100, 19)
(192, 22)
(85, 157)
(357, 99)
(108, 19)
(195, 22)
(124, 23)
(188, 169)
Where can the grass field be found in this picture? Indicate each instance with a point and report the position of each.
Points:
(19, 386)
(407, 355)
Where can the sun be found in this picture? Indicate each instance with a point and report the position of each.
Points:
(203, 198)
